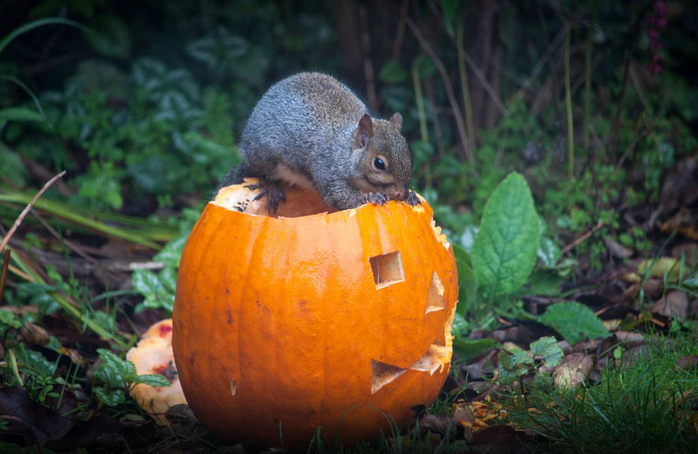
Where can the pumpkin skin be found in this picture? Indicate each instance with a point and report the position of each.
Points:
(300, 322)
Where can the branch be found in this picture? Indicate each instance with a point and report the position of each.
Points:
(26, 210)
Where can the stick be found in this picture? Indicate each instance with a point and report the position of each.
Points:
(24, 212)
(460, 125)
(581, 239)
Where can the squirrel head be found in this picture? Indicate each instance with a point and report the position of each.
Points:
(385, 163)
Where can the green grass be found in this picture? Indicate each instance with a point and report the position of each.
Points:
(644, 407)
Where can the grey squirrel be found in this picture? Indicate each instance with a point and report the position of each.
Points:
(311, 131)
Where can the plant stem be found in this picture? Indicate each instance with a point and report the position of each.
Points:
(587, 74)
(420, 100)
(3, 276)
(464, 84)
(568, 102)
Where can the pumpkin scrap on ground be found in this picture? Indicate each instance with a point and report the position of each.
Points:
(153, 355)
(311, 318)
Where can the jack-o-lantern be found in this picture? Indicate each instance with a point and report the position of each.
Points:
(284, 324)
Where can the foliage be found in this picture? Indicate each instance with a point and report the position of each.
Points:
(516, 363)
(504, 251)
(573, 321)
(637, 406)
(117, 375)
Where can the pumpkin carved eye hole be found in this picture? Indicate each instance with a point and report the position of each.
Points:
(435, 297)
(387, 269)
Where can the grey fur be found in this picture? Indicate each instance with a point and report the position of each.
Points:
(304, 130)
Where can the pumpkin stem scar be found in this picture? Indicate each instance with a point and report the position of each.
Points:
(387, 269)
(233, 386)
(435, 297)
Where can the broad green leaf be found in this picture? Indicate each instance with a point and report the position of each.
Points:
(574, 321)
(544, 283)
(548, 348)
(146, 282)
(153, 380)
(35, 363)
(110, 398)
(467, 287)
(512, 365)
(467, 348)
(504, 251)
(20, 114)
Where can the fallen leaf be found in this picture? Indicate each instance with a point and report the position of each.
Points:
(618, 250)
(689, 251)
(572, 371)
(44, 423)
(499, 439)
(674, 304)
(658, 267)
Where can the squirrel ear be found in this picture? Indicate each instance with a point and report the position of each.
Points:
(365, 131)
(396, 120)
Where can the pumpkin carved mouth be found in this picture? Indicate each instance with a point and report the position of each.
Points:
(436, 355)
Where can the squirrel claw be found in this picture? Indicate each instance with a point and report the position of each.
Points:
(273, 193)
(376, 198)
(412, 199)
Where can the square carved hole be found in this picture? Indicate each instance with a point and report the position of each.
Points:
(387, 269)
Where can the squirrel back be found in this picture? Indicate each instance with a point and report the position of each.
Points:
(311, 130)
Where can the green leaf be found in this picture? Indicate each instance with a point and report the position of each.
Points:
(36, 24)
(467, 287)
(450, 8)
(110, 398)
(691, 282)
(146, 282)
(548, 348)
(513, 364)
(467, 348)
(112, 37)
(392, 73)
(573, 321)
(544, 283)
(548, 251)
(153, 380)
(114, 370)
(20, 114)
(35, 363)
(504, 251)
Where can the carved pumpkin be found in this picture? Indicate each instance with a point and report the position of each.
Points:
(291, 323)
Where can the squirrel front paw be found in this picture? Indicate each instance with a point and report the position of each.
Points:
(376, 198)
(412, 199)
(272, 191)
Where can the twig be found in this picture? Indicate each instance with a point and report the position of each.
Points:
(449, 90)
(68, 243)
(24, 212)
(400, 34)
(464, 83)
(3, 277)
(541, 64)
(581, 239)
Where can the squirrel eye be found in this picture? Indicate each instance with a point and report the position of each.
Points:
(379, 164)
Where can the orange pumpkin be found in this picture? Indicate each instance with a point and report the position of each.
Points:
(290, 323)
